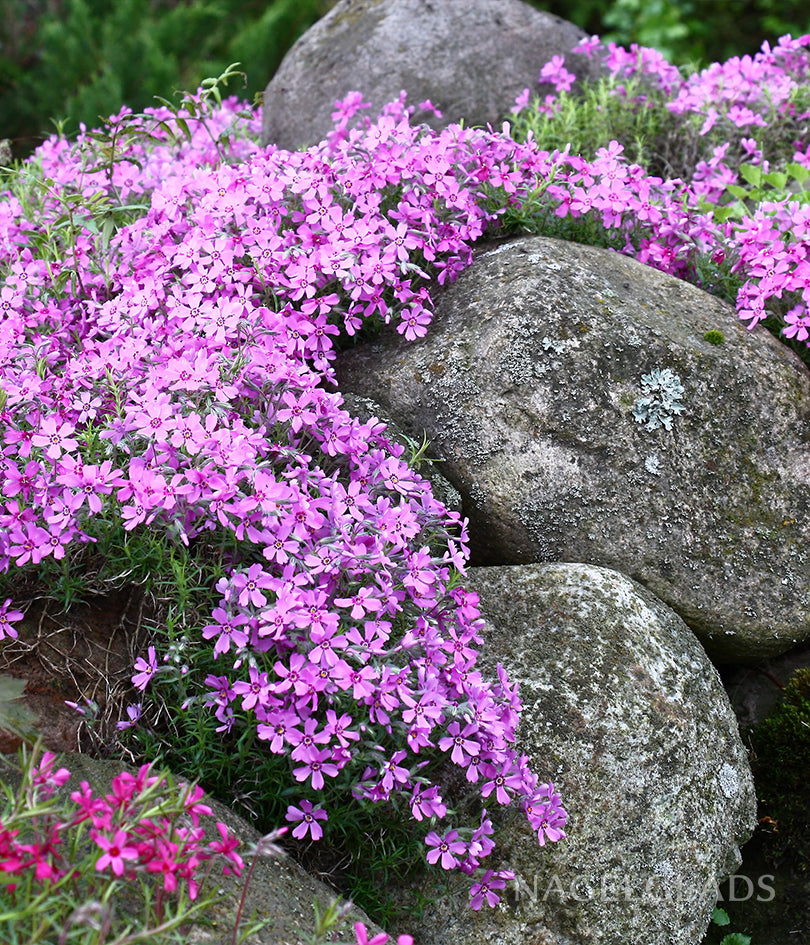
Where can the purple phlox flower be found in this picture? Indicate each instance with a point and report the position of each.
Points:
(134, 714)
(306, 742)
(546, 814)
(427, 803)
(485, 888)
(448, 849)
(308, 817)
(8, 618)
(392, 773)
(508, 776)
(145, 669)
(462, 743)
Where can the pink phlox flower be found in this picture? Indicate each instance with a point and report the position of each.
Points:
(54, 436)
(555, 73)
(339, 727)
(308, 816)
(227, 630)
(115, 850)
(521, 102)
(255, 691)
(226, 847)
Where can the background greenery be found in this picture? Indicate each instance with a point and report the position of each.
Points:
(81, 59)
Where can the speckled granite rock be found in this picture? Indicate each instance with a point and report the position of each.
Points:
(623, 711)
(526, 386)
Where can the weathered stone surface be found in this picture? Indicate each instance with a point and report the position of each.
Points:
(526, 386)
(280, 891)
(624, 713)
(471, 58)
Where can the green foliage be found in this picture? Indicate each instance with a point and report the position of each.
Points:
(714, 337)
(781, 761)
(81, 60)
(696, 31)
(721, 919)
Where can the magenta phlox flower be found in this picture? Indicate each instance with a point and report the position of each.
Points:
(318, 764)
(308, 816)
(448, 850)
(226, 847)
(44, 779)
(146, 669)
(227, 630)
(254, 692)
(116, 850)
(7, 620)
(55, 437)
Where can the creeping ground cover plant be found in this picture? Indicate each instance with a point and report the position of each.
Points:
(171, 300)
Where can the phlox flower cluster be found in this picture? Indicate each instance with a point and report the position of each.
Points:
(760, 106)
(143, 828)
(174, 372)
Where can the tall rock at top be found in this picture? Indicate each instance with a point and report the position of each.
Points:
(470, 58)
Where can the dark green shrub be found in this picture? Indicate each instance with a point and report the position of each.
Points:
(77, 60)
(781, 762)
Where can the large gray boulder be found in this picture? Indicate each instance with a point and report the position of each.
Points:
(624, 713)
(471, 58)
(530, 386)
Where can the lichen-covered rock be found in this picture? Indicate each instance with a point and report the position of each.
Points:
(583, 416)
(624, 713)
(470, 58)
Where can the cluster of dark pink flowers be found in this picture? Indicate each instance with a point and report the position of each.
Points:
(137, 828)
